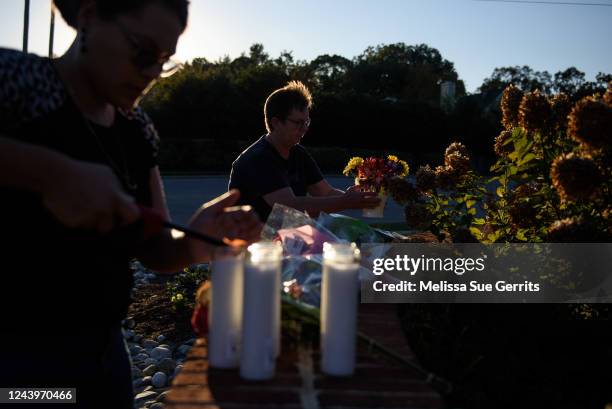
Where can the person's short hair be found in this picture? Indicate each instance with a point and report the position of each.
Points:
(294, 95)
(109, 9)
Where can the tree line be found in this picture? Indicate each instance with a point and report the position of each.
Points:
(387, 98)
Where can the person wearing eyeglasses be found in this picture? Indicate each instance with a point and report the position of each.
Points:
(77, 155)
(277, 169)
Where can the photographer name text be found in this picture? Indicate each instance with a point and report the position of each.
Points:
(445, 286)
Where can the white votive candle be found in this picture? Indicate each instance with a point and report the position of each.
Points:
(225, 312)
(261, 311)
(339, 296)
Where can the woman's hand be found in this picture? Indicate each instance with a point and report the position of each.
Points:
(219, 219)
(88, 195)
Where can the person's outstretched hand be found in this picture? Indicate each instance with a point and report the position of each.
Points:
(354, 198)
(219, 219)
(88, 195)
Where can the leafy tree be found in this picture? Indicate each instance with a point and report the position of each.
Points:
(386, 98)
(403, 72)
(524, 77)
(328, 73)
(257, 54)
(569, 81)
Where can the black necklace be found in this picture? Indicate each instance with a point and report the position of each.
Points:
(122, 171)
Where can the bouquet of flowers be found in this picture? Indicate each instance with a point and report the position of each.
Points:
(375, 173)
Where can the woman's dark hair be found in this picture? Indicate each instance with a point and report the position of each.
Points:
(109, 9)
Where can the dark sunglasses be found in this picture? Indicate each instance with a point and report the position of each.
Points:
(144, 57)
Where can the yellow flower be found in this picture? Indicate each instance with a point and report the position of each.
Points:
(392, 158)
(353, 164)
(404, 172)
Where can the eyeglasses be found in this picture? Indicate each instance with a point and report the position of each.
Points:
(144, 57)
(300, 124)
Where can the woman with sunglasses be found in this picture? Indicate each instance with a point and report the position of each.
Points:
(76, 158)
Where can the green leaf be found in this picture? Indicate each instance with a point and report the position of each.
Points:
(519, 138)
(493, 236)
(470, 203)
(472, 211)
(476, 232)
(521, 235)
(500, 191)
(526, 159)
(479, 221)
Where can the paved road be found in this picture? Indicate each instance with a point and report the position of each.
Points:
(186, 193)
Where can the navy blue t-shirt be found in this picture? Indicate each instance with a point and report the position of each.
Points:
(260, 170)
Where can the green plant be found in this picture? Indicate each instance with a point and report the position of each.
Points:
(553, 175)
(447, 199)
(552, 181)
(182, 288)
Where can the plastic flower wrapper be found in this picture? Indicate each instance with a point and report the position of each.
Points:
(347, 228)
(353, 230)
(302, 239)
(301, 278)
(298, 232)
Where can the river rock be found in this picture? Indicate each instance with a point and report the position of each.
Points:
(144, 397)
(149, 344)
(141, 356)
(135, 350)
(160, 353)
(143, 388)
(150, 370)
(162, 396)
(159, 380)
(184, 349)
(136, 372)
(167, 365)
